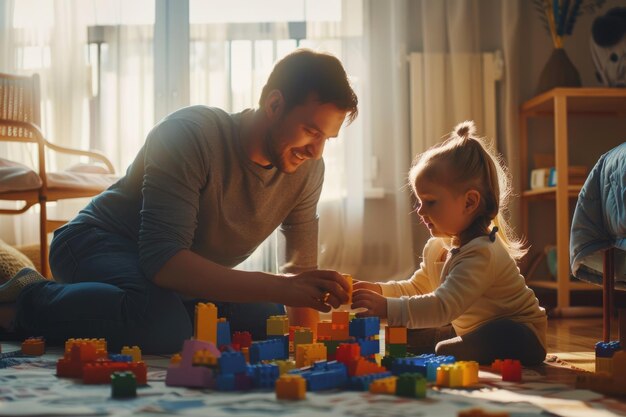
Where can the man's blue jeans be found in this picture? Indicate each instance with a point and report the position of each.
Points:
(101, 292)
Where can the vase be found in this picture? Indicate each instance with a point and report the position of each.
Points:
(558, 72)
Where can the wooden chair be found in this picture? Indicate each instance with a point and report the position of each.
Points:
(20, 121)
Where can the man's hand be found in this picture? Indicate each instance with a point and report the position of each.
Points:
(318, 289)
(373, 303)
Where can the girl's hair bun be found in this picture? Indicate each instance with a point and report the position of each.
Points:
(465, 129)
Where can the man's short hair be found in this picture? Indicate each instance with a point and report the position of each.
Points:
(305, 72)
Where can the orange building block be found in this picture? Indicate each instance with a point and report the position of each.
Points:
(395, 335)
(324, 329)
(340, 317)
(290, 387)
(34, 346)
(384, 385)
(176, 358)
(205, 328)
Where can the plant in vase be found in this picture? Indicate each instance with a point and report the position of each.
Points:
(559, 18)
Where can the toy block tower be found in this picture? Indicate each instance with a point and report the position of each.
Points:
(395, 341)
(206, 323)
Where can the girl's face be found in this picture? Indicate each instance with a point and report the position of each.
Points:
(445, 213)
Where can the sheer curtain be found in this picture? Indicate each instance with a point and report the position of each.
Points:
(48, 38)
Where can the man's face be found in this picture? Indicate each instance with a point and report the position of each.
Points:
(301, 134)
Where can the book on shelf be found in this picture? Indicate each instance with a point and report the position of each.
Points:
(546, 177)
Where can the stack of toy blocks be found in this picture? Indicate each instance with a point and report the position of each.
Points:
(604, 355)
(196, 366)
(205, 328)
(365, 331)
(334, 332)
(300, 336)
(34, 346)
(277, 328)
(609, 383)
(134, 352)
(395, 341)
(87, 359)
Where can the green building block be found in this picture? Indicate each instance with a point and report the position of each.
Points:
(395, 350)
(123, 385)
(412, 385)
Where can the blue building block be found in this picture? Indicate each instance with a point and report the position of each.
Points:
(223, 333)
(364, 327)
(225, 382)
(116, 357)
(411, 364)
(324, 375)
(263, 375)
(284, 339)
(265, 350)
(434, 363)
(369, 347)
(362, 383)
(231, 363)
(607, 349)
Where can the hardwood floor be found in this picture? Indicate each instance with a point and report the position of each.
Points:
(573, 339)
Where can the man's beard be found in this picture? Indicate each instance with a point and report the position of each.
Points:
(274, 155)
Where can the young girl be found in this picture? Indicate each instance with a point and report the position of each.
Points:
(468, 275)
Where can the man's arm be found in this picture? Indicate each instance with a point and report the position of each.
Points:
(190, 274)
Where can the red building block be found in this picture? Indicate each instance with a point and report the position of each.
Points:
(34, 346)
(511, 370)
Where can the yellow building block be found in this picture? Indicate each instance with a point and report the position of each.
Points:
(277, 325)
(384, 385)
(134, 352)
(290, 387)
(285, 366)
(204, 357)
(470, 372)
(348, 278)
(395, 335)
(206, 322)
(307, 354)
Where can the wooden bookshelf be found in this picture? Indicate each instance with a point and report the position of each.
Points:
(561, 104)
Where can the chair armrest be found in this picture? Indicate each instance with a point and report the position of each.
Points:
(91, 154)
(38, 137)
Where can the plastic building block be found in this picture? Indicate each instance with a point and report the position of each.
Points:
(362, 383)
(511, 370)
(324, 375)
(184, 374)
(340, 317)
(205, 328)
(225, 382)
(291, 387)
(100, 372)
(263, 375)
(231, 363)
(243, 339)
(339, 331)
(479, 412)
(395, 335)
(450, 376)
(223, 333)
(369, 347)
(123, 385)
(204, 357)
(277, 325)
(470, 372)
(100, 344)
(117, 357)
(496, 365)
(265, 350)
(362, 366)
(348, 352)
(324, 328)
(412, 385)
(134, 351)
(285, 366)
(349, 279)
(396, 350)
(331, 348)
(433, 363)
(607, 349)
(306, 355)
(302, 336)
(176, 358)
(384, 385)
(284, 339)
(78, 352)
(365, 327)
(34, 346)
(411, 364)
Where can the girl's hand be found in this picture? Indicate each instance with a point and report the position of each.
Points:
(318, 289)
(373, 303)
(364, 285)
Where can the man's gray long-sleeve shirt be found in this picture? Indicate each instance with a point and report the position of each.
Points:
(191, 186)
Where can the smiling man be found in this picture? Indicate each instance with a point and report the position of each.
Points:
(204, 191)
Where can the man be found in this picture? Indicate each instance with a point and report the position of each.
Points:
(204, 191)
